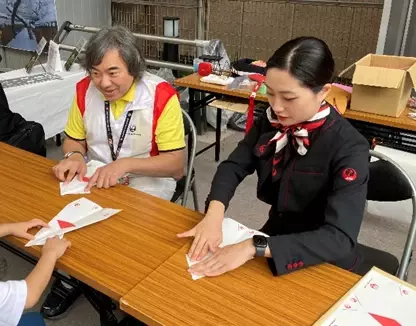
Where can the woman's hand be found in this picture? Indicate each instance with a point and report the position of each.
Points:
(207, 235)
(225, 259)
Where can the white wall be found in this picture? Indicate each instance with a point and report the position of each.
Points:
(94, 13)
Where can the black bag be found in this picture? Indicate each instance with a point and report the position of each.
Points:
(246, 66)
(16, 131)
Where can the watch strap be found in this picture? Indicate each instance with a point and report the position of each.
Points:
(260, 251)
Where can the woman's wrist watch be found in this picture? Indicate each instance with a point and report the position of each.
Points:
(260, 244)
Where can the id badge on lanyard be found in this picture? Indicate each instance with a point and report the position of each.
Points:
(115, 155)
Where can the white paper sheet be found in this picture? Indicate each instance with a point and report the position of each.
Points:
(376, 300)
(75, 215)
(53, 63)
(232, 232)
(76, 186)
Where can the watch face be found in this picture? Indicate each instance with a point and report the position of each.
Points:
(259, 241)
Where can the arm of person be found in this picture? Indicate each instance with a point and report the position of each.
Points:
(166, 164)
(343, 215)
(39, 278)
(170, 140)
(231, 172)
(4, 230)
(75, 131)
(208, 232)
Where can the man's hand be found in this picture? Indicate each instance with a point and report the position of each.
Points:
(55, 247)
(75, 164)
(225, 259)
(107, 176)
(20, 229)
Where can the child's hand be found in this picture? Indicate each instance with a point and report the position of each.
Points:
(20, 229)
(56, 247)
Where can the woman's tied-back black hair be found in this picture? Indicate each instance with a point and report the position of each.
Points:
(308, 59)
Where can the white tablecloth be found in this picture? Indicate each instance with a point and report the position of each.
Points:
(47, 103)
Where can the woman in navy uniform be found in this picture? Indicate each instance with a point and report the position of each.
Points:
(312, 168)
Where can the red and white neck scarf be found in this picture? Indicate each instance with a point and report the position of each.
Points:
(297, 134)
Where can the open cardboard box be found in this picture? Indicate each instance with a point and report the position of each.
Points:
(339, 97)
(382, 84)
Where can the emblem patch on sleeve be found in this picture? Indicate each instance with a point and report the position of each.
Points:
(349, 174)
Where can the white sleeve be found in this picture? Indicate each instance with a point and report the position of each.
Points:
(13, 296)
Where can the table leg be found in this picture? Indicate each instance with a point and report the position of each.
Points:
(218, 135)
(102, 304)
(58, 140)
(195, 114)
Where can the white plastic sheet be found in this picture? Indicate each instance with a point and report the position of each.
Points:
(47, 103)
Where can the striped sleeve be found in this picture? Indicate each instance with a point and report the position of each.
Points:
(75, 127)
(170, 134)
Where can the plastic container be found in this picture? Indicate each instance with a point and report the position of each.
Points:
(196, 63)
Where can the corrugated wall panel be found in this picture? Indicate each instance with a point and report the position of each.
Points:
(255, 28)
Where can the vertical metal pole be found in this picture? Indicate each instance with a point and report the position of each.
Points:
(401, 25)
(406, 27)
(218, 135)
(200, 24)
(384, 24)
(201, 121)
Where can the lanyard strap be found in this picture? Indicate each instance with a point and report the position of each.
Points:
(110, 133)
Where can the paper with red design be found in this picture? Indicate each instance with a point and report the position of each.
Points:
(75, 215)
(378, 299)
(232, 232)
(78, 187)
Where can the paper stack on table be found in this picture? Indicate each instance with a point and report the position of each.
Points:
(75, 215)
(78, 187)
(218, 80)
(377, 299)
(232, 233)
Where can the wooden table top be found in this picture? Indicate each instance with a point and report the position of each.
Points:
(112, 256)
(193, 81)
(249, 295)
(402, 122)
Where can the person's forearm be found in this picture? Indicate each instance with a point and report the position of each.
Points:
(216, 209)
(39, 278)
(4, 230)
(71, 145)
(252, 250)
(156, 166)
(228, 176)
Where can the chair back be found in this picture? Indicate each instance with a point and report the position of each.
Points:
(389, 182)
(190, 131)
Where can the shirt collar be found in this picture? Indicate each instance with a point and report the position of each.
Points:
(129, 96)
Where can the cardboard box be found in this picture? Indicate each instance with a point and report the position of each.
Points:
(382, 84)
(339, 97)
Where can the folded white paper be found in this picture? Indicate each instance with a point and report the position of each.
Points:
(218, 80)
(75, 215)
(53, 63)
(232, 232)
(78, 187)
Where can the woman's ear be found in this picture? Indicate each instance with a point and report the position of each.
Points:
(323, 93)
